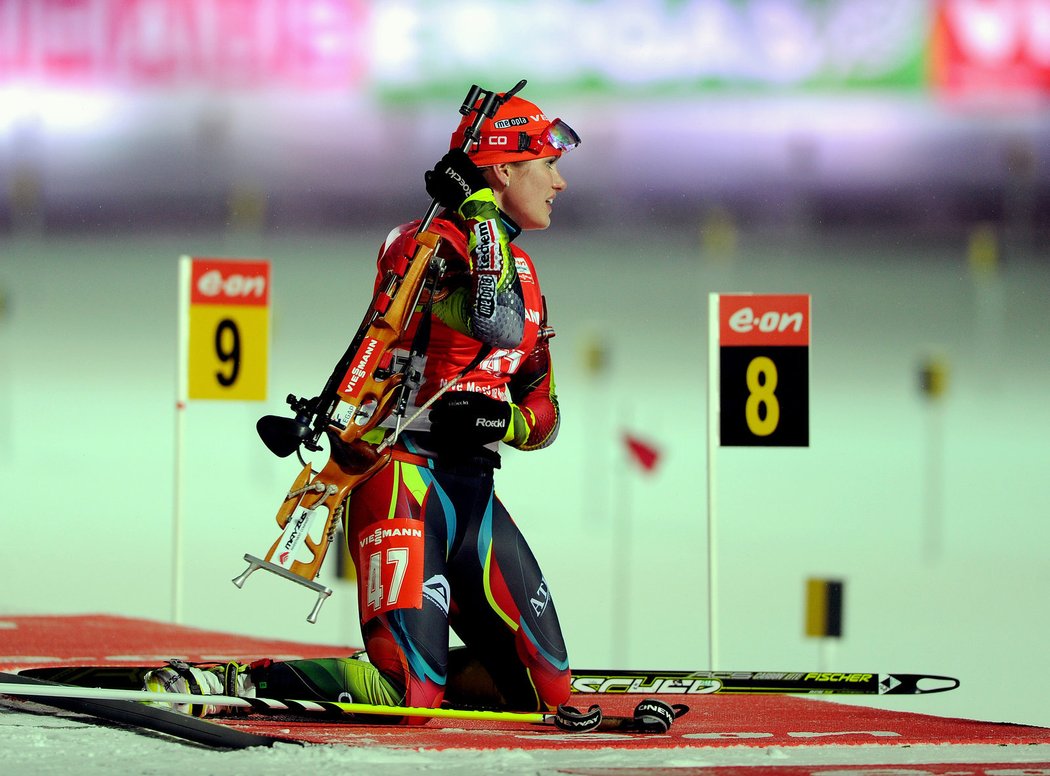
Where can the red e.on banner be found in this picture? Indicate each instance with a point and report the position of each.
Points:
(230, 281)
(763, 319)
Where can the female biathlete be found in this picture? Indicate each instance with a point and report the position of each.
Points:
(433, 546)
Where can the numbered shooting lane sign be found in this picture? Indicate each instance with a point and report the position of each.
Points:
(225, 336)
(763, 369)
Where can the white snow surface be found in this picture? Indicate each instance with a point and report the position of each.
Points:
(37, 740)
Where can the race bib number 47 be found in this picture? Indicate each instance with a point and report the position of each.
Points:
(390, 567)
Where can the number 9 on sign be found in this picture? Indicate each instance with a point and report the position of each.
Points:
(228, 349)
(227, 352)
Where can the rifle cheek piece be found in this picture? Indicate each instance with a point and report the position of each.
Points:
(282, 436)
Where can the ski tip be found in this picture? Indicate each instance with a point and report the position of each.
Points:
(938, 684)
(915, 684)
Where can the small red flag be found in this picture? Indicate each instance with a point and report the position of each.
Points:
(643, 453)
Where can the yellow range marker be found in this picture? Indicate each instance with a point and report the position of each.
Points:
(224, 328)
(227, 352)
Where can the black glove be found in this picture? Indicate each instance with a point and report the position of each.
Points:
(453, 179)
(464, 419)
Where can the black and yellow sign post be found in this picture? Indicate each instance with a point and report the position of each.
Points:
(825, 610)
(757, 392)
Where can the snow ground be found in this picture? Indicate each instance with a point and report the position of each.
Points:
(37, 740)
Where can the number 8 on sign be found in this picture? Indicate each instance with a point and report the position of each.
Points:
(762, 410)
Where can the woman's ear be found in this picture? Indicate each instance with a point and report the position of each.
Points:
(501, 174)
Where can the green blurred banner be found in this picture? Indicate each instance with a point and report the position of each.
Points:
(650, 46)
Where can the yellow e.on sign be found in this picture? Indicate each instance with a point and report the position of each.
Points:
(226, 331)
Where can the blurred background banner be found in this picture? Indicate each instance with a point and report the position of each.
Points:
(149, 44)
(279, 112)
(421, 46)
(418, 47)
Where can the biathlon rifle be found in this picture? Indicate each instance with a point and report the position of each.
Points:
(369, 384)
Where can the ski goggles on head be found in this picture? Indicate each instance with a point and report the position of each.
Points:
(557, 135)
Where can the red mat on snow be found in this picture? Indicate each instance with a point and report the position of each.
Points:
(713, 721)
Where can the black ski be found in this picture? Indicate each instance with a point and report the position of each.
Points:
(111, 684)
(606, 681)
(631, 682)
(138, 715)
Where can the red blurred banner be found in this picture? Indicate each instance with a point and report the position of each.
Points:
(995, 48)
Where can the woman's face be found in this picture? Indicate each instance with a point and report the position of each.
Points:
(528, 189)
